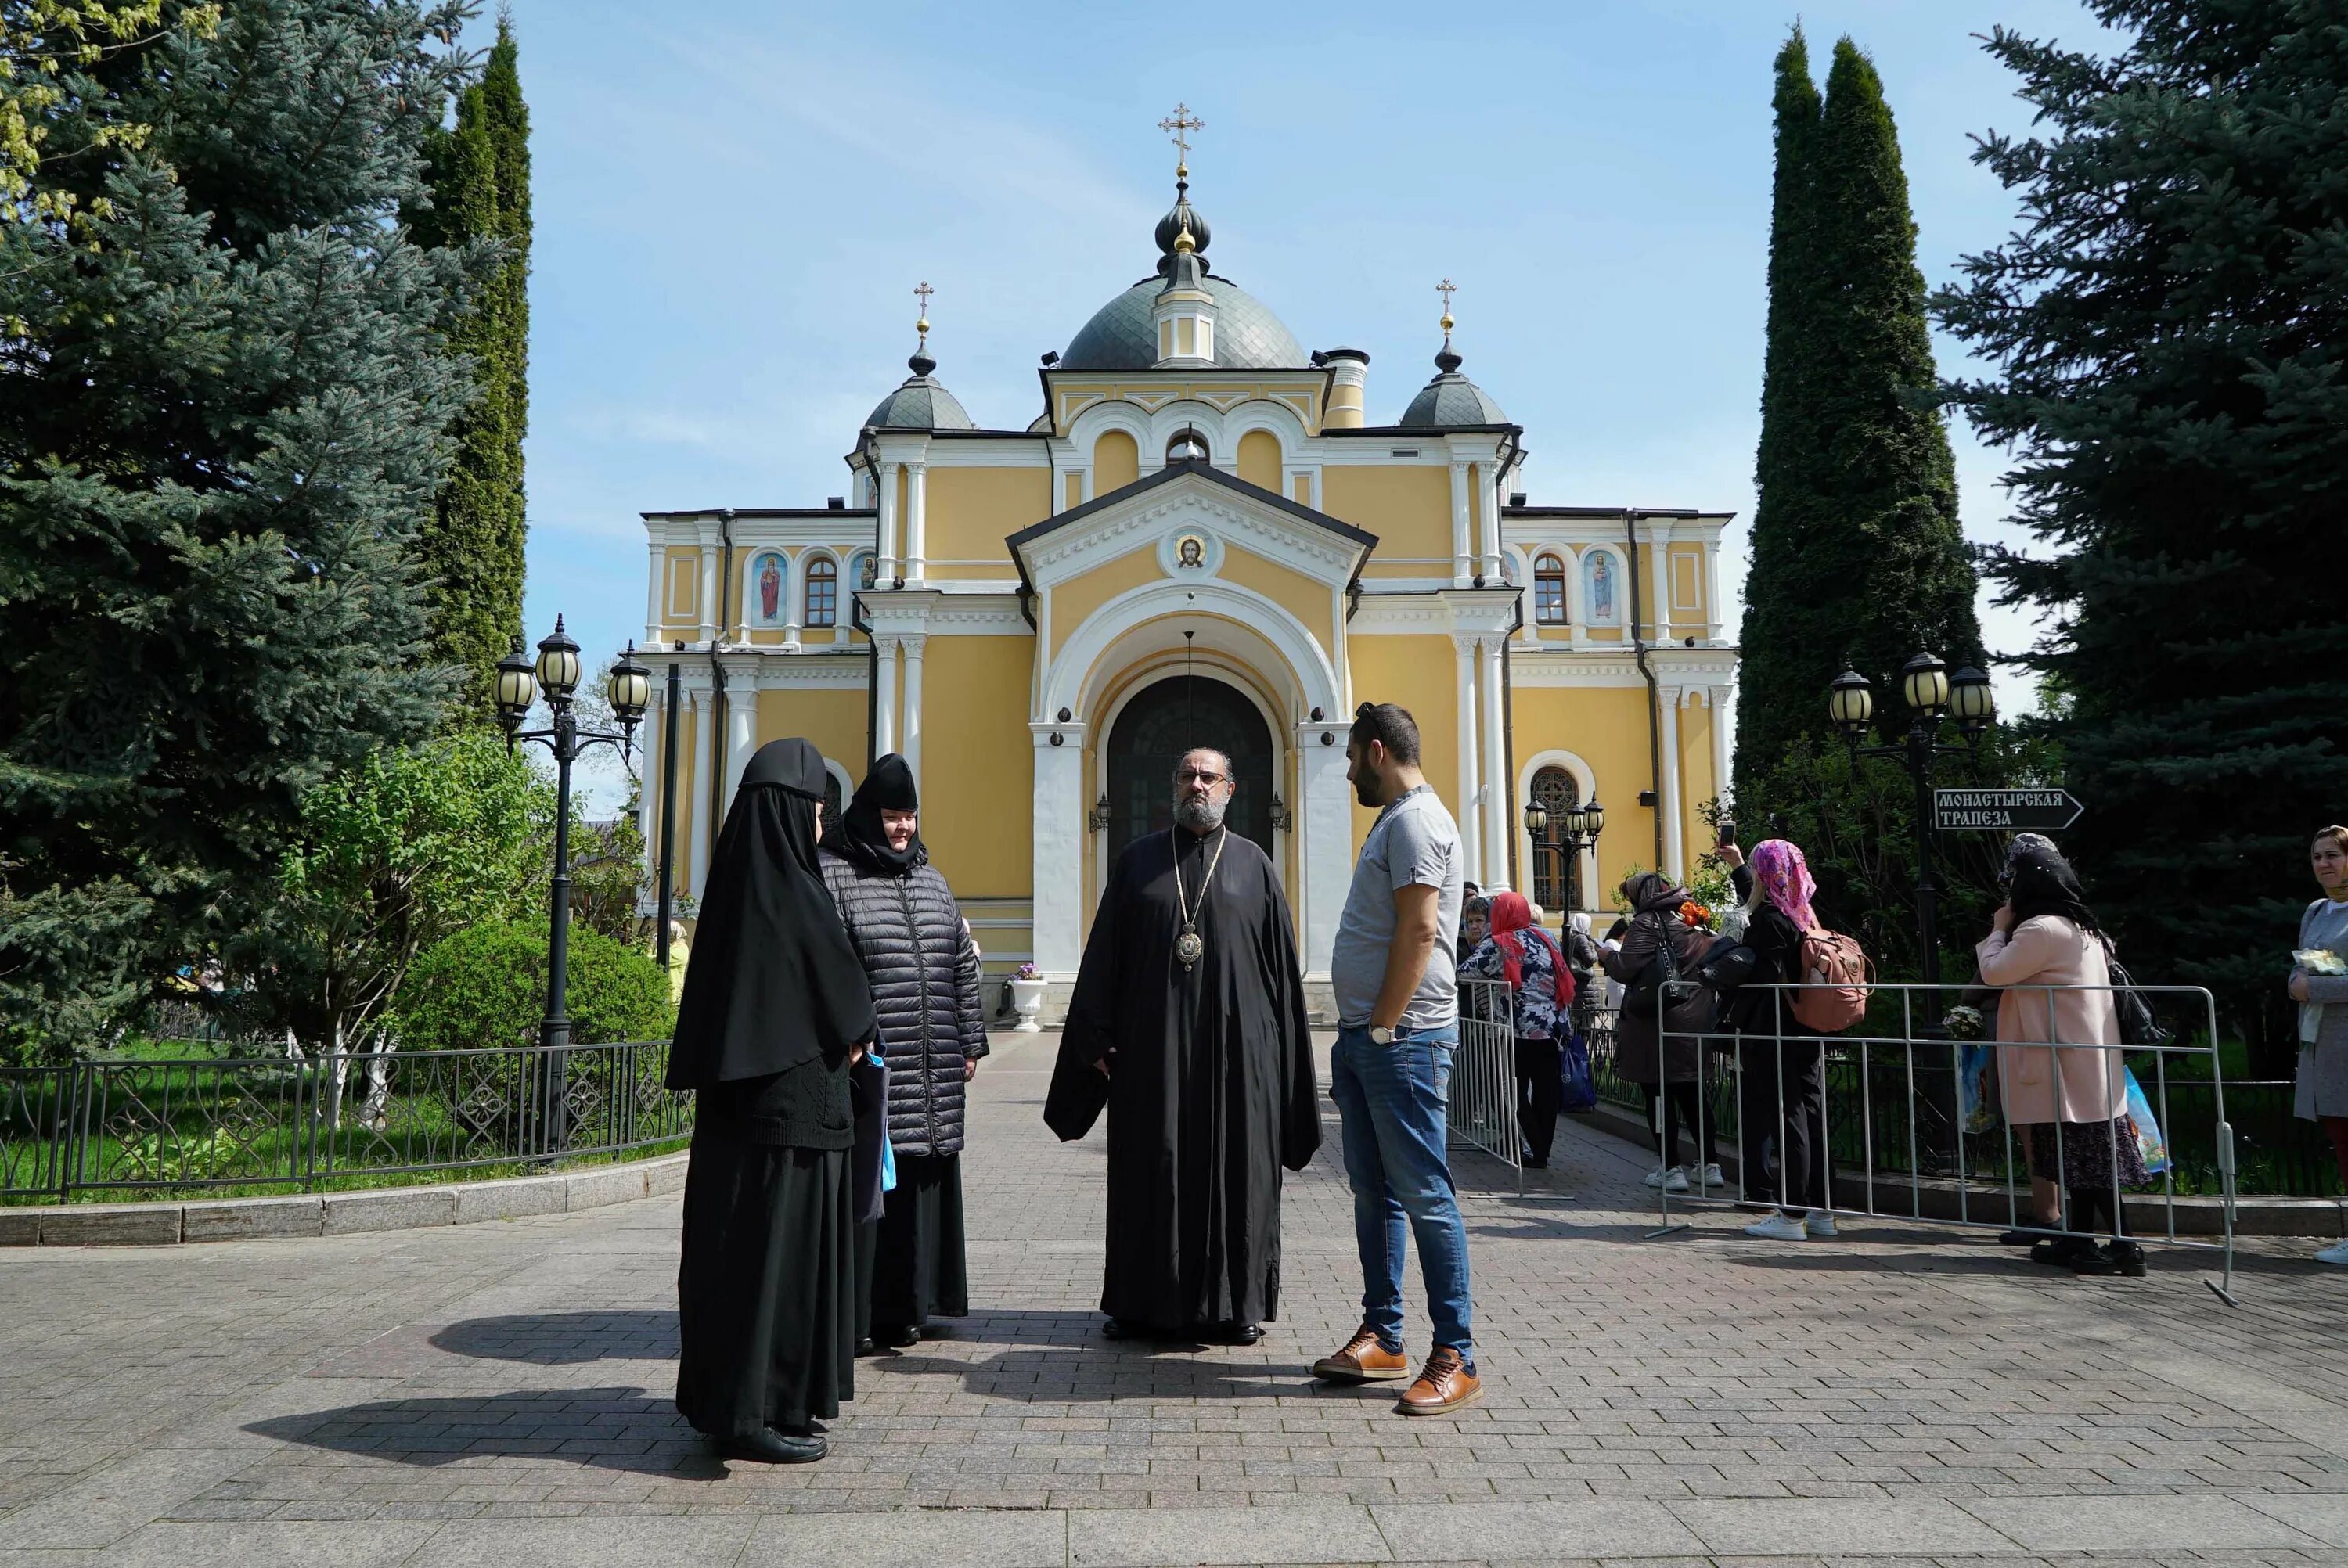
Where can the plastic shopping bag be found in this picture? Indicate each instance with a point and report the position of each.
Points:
(2149, 1138)
(1579, 1094)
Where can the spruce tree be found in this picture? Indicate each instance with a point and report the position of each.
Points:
(1858, 556)
(470, 553)
(222, 424)
(2170, 329)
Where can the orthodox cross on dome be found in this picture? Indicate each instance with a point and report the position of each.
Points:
(921, 292)
(1179, 124)
(1447, 289)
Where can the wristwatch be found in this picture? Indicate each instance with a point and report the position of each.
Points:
(1380, 1035)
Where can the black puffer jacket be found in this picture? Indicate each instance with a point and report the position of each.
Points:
(925, 970)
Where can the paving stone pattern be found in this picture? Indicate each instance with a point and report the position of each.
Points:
(501, 1391)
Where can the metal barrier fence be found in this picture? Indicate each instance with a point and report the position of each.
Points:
(1918, 1130)
(266, 1123)
(1483, 1103)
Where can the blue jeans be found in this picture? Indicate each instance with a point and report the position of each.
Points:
(1394, 1102)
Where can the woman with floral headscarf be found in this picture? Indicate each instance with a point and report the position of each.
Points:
(1781, 1066)
(1529, 959)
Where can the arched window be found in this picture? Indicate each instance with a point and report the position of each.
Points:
(1187, 447)
(1549, 593)
(1556, 870)
(822, 592)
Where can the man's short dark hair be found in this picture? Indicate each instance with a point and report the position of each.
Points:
(1391, 725)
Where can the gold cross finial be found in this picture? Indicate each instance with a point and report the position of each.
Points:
(921, 291)
(1178, 125)
(1447, 289)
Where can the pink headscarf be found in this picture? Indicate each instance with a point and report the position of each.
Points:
(1784, 876)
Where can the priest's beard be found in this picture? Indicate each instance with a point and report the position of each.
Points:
(1200, 814)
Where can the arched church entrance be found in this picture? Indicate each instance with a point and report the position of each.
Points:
(1166, 719)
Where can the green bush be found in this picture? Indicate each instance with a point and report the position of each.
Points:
(486, 986)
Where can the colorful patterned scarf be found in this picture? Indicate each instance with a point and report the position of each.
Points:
(1781, 873)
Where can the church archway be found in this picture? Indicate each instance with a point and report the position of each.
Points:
(1163, 721)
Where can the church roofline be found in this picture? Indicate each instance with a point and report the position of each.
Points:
(692, 512)
(1380, 432)
(1167, 475)
(1676, 514)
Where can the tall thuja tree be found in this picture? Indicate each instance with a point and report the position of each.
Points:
(2169, 326)
(1774, 702)
(1857, 554)
(222, 423)
(470, 552)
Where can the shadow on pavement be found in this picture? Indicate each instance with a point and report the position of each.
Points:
(622, 1428)
(564, 1338)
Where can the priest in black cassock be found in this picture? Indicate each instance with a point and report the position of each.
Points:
(1188, 1025)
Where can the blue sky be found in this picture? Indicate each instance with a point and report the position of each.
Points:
(733, 206)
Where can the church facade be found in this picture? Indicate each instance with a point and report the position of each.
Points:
(1203, 537)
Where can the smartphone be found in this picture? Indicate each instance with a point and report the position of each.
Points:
(1727, 833)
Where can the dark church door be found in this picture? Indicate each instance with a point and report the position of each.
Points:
(1157, 727)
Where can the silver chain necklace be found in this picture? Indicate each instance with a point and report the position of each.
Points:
(1189, 947)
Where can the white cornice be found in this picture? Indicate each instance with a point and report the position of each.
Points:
(921, 612)
(1462, 612)
(1185, 503)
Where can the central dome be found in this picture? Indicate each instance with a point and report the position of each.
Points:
(1247, 336)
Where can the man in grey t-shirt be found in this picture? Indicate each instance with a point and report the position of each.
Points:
(1398, 1021)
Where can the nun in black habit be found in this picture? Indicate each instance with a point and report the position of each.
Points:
(776, 1010)
(1189, 1026)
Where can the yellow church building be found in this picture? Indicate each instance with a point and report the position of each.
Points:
(1202, 538)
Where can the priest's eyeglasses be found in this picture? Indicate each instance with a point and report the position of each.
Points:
(1192, 775)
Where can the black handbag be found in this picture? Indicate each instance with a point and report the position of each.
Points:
(2139, 1030)
(1644, 997)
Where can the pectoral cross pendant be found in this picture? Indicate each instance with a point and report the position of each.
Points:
(1188, 946)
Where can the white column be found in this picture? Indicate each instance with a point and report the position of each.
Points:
(1499, 496)
(1659, 533)
(917, 541)
(1718, 697)
(1497, 784)
(884, 567)
(710, 547)
(1460, 546)
(884, 701)
(1325, 819)
(912, 745)
(1674, 856)
(705, 758)
(1059, 840)
(741, 730)
(653, 592)
(1471, 841)
(1711, 587)
(655, 732)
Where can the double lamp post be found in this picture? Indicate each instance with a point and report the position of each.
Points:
(1578, 829)
(629, 688)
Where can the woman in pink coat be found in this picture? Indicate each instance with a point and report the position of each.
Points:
(2070, 1104)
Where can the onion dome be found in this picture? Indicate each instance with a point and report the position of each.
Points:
(1179, 217)
(921, 401)
(1123, 334)
(1450, 401)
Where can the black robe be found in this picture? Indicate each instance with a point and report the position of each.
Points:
(1212, 1087)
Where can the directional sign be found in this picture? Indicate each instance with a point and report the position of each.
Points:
(2004, 810)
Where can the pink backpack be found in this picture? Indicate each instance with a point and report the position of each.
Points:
(1843, 977)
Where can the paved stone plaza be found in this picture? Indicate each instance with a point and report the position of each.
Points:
(499, 1393)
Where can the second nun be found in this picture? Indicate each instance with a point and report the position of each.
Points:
(917, 952)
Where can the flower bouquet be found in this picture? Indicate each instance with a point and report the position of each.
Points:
(2320, 961)
(1964, 1023)
(1695, 916)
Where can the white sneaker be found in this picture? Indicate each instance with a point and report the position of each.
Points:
(2336, 1253)
(1820, 1223)
(1712, 1178)
(1671, 1181)
(1779, 1227)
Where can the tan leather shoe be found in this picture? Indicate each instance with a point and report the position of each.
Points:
(1363, 1360)
(1446, 1385)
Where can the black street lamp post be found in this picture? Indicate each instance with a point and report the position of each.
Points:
(1933, 694)
(629, 688)
(1578, 830)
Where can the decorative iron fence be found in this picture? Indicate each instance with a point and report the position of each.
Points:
(266, 1124)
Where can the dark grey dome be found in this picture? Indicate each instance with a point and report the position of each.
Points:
(1120, 337)
(1170, 227)
(922, 403)
(1450, 400)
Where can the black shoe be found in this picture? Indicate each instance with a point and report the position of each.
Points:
(2062, 1251)
(1112, 1328)
(897, 1335)
(866, 1347)
(1535, 1163)
(1238, 1333)
(2121, 1258)
(768, 1446)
